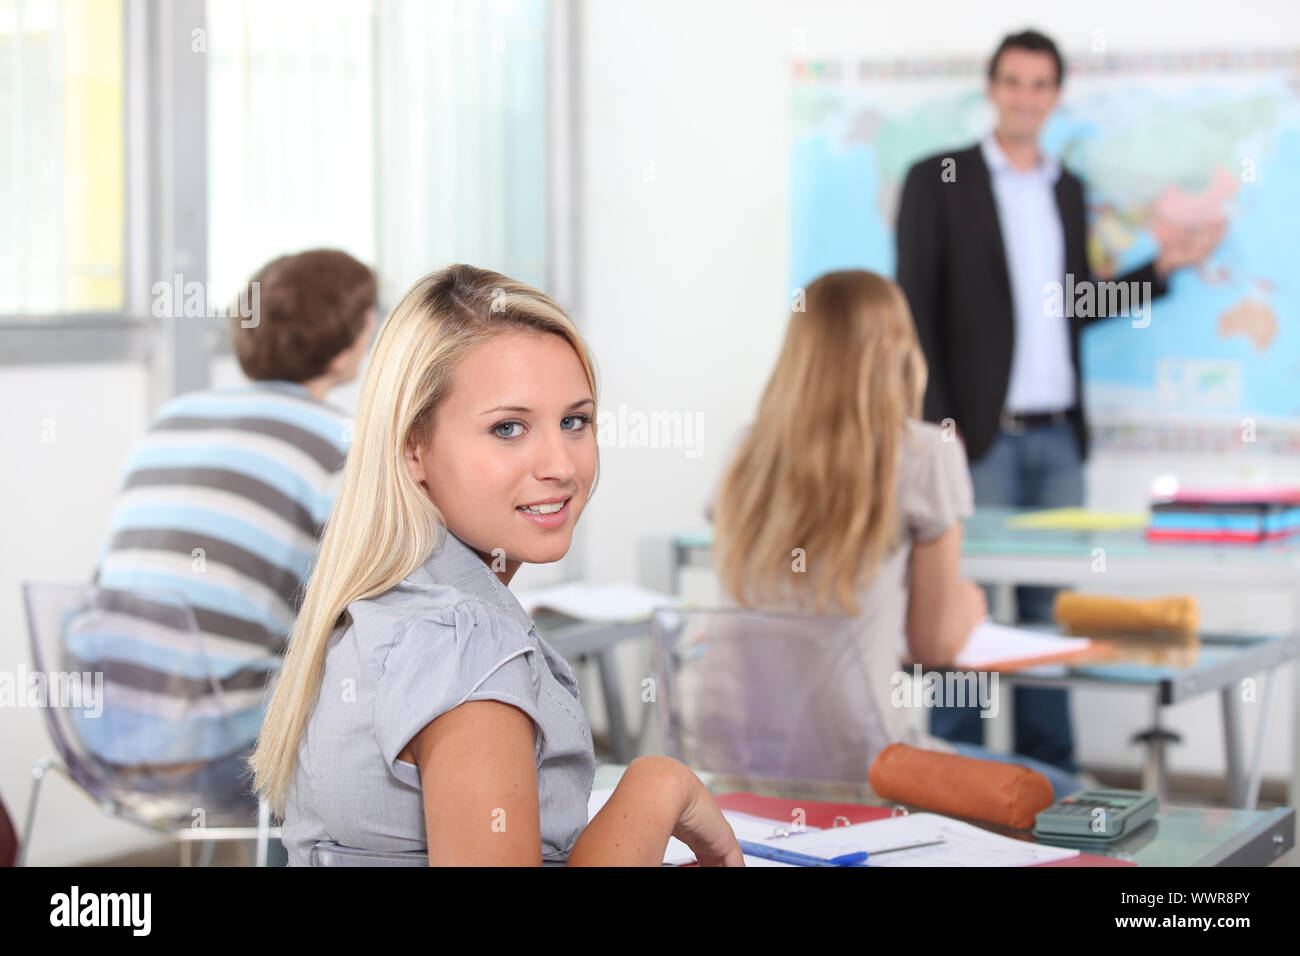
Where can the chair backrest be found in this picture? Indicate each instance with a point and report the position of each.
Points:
(127, 677)
(769, 695)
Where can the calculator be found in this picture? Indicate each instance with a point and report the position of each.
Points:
(1096, 815)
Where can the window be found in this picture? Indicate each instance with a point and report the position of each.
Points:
(145, 139)
(62, 186)
(410, 133)
(291, 138)
(463, 174)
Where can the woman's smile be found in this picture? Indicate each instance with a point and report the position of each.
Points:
(549, 514)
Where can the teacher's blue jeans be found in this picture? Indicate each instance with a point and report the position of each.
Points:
(1063, 784)
(1036, 468)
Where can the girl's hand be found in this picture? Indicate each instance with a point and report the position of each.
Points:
(657, 797)
(704, 829)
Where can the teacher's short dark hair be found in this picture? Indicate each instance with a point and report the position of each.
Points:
(1034, 42)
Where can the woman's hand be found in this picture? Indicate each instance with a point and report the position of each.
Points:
(657, 797)
(704, 829)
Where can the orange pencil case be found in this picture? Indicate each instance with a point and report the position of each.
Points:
(960, 786)
(1095, 615)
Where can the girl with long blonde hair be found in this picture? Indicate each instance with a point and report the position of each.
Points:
(839, 471)
(418, 709)
(819, 468)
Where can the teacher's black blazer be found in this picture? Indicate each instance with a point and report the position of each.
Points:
(953, 270)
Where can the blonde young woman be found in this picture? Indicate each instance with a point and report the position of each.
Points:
(417, 708)
(837, 463)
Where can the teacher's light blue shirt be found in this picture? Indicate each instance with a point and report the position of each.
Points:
(1042, 372)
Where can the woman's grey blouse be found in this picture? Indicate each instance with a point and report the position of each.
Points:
(448, 633)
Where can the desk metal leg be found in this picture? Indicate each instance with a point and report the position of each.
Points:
(999, 734)
(1004, 609)
(1251, 796)
(618, 739)
(1232, 743)
(1154, 777)
(263, 833)
(1293, 794)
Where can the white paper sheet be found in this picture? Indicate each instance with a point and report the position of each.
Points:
(993, 643)
(963, 844)
(597, 602)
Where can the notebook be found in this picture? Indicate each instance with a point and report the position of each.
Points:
(956, 843)
(1226, 515)
(950, 843)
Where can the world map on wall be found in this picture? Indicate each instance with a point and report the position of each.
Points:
(1161, 142)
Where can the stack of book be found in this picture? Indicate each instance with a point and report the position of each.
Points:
(1229, 514)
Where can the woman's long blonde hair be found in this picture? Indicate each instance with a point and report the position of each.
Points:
(818, 470)
(383, 525)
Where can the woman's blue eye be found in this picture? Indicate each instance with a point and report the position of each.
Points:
(497, 428)
(581, 422)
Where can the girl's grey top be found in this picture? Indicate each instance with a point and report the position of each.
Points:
(934, 493)
(448, 633)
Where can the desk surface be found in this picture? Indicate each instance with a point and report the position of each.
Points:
(1179, 836)
(1177, 672)
(986, 533)
(573, 637)
(993, 553)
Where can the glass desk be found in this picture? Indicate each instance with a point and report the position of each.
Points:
(995, 554)
(1171, 673)
(1178, 836)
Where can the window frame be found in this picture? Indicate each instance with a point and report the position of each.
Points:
(164, 140)
(165, 211)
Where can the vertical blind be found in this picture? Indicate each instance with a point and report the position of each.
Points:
(410, 133)
(291, 138)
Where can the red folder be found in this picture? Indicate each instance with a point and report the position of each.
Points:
(821, 814)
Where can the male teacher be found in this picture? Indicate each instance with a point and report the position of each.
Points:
(992, 256)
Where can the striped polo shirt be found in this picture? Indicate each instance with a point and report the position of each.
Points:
(222, 504)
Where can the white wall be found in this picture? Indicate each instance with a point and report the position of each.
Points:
(66, 431)
(684, 145)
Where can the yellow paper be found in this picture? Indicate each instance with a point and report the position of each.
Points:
(1078, 519)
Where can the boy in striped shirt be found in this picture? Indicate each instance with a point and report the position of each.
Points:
(222, 503)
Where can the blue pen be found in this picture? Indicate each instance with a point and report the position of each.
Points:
(766, 852)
